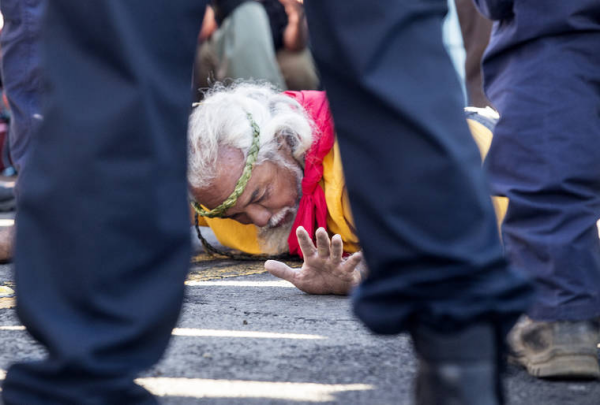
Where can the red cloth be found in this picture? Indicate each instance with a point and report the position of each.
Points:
(312, 211)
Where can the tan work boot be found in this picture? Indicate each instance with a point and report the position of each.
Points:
(561, 349)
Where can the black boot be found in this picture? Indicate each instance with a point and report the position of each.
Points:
(459, 368)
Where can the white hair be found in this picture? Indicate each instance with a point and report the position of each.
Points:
(221, 121)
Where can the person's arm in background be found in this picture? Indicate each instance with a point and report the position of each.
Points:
(495, 9)
(209, 24)
(475, 31)
(295, 36)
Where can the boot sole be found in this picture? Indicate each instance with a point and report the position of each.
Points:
(564, 366)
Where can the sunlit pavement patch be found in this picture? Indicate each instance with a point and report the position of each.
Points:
(7, 303)
(221, 333)
(7, 297)
(242, 334)
(16, 327)
(224, 283)
(234, 270)
(6, 291)
(205, 388)
(206, 267)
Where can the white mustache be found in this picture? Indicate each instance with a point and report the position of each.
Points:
(277, 218)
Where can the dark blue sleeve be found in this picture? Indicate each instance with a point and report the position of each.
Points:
(495, 9)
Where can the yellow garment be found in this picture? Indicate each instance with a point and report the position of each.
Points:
(233, 234)
(483, 139)
(339, 217)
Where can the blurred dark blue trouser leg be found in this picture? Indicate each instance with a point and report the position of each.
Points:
(543, 75)
(419, 197)
(21, 72)
(102, 238)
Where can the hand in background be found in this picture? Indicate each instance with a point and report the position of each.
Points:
(295, 36)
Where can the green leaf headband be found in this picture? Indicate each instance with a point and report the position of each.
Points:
(242, 181)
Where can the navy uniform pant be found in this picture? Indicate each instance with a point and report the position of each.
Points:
(102, 238)
(21, 71)
(542, 72)
(418, 195)
(103, 227)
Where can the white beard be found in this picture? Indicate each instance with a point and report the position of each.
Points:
(273, 240)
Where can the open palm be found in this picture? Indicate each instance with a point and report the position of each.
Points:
(324, 271)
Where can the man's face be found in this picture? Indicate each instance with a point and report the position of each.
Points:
(269, 200)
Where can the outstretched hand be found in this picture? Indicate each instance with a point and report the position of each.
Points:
(324, 270)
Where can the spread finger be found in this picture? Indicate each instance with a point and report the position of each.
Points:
(323, 243)
(353, 261)
(306, 244)
(337, 249)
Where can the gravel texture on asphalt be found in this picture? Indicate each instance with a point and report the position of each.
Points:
(246, 339)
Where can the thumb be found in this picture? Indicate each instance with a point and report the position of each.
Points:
(280, 270)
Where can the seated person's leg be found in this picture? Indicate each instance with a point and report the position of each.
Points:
(298, 69)
(244, 46)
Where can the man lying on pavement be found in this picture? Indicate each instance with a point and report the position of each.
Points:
(265, 174)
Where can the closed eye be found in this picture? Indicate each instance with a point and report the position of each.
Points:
(264, 196)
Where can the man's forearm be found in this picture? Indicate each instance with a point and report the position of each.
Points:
(295, 36)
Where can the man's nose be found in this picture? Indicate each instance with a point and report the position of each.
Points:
(259, 216)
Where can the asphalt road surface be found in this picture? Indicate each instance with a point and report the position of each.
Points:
(246, 338)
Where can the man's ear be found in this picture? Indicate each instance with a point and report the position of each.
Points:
(285, 142)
